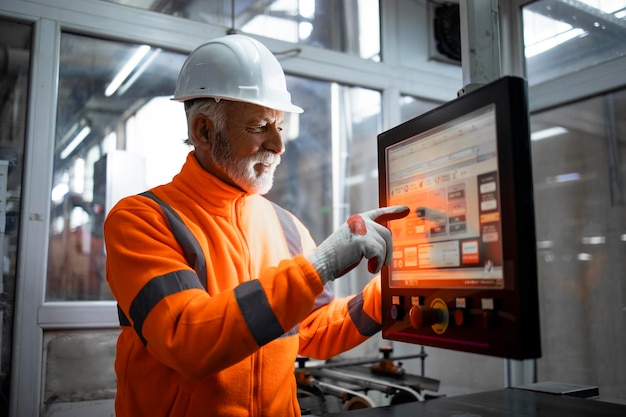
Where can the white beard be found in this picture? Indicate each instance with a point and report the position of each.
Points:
(242, 171)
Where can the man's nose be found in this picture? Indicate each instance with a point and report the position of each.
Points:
(274, 142)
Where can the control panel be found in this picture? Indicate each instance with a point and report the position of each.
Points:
(478, 322)
(463, 274)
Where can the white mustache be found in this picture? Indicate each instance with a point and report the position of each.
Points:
(268, 159)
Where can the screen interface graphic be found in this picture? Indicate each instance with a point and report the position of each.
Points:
(448, 176)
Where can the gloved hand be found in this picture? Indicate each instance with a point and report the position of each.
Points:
(360, 236)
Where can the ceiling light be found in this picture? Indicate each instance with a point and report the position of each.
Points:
(593, 240)
(547, 133)
(572, 176)
(58, 192)
(82, 134)
(69, 134)
(126, 70)
(561, 178)
(545, 244)
(140, 70)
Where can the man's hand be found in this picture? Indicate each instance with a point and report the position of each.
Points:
(361, 236)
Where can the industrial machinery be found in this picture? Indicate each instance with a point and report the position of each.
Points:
(351, 382)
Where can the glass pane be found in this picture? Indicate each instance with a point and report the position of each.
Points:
(411, 107)
(579, 155)
(106, 89)
(350, 26)
(15, 41)
(135, 141)
(329, 167)
(564, 36)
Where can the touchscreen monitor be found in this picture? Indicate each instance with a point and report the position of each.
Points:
(463, 274)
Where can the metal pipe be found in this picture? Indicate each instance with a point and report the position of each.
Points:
(368, 382)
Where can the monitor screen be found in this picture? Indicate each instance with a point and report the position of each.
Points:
(463, 273)
(448, 176)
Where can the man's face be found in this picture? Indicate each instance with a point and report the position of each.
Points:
(248, 151)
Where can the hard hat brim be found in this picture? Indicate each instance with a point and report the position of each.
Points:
(284, 107)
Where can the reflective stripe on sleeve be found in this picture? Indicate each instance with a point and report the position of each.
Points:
(124, 322)
(364, 323)
(157, 289)
(257, 312)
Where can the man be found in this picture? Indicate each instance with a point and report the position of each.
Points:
(219, 289)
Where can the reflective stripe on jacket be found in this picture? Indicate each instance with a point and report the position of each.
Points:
(225, 345)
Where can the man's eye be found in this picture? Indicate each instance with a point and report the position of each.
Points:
(262, 128)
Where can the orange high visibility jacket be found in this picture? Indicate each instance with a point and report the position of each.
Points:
(225, 346)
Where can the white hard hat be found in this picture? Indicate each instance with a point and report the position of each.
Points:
(237, 68)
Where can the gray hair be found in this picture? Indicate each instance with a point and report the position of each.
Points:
(211, 108)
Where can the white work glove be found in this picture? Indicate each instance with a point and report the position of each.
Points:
(360, 236)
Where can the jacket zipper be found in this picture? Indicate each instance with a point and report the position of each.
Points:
(238, 207)
(255, 398)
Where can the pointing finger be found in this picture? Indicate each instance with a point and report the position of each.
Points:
(385, 214)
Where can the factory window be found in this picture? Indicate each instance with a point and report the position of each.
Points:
(101, 85)
(119, 135)
(411, 107)
(579, 150)
(564, 37)
(350, 26)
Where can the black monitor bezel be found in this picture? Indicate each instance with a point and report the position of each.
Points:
(519, 297)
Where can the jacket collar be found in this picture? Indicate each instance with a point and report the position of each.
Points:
(206, 189)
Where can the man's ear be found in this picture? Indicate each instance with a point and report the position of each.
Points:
(202, 131)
